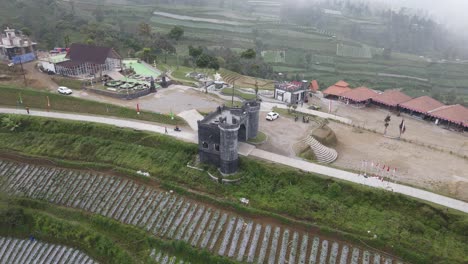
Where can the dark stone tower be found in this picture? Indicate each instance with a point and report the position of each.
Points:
(254, 115)
(220, 132)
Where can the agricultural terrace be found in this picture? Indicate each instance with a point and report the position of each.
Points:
(89, 238)
(314, 53)
(26, 251)
(334, 211)
(173, 217)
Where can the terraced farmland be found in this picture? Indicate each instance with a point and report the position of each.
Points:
(27, 251)
(352, 51)
(245, 81)
(173, 217)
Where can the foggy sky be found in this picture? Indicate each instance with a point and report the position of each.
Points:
(453, 13)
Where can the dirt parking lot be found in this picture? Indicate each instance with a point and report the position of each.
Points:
(418, 164)
(282, 134)
(416, 130)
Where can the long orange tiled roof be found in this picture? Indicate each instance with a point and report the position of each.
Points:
(453, 113)
(360, 94)
(336, 90)
(391, 98)
(422, 104)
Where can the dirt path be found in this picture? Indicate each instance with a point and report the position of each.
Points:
(37, 79)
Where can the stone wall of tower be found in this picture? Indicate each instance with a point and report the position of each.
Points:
(229, 157)
(253, 112)
(208, 141)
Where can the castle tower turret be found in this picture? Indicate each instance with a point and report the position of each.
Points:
(229, 157)
(254, 118)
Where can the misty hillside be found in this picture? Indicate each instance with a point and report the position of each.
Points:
(327, 41)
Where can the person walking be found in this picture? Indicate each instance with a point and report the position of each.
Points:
(165, 130)
(27, 110)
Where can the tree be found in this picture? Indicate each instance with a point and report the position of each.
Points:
(66, 40)
(90, 41)
(161, 45)
(144, 30)
(214, 63)
(176, 33)
(26, 31)
(249, 54)
(207, 61)
(146, 52)
(203, 61)
(195, 52)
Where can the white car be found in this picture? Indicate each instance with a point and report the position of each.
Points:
(64, 90)
(272, 116)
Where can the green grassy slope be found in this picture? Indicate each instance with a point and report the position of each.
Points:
(38, 100)
(417, 232)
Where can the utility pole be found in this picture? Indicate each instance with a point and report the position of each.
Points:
(24, 74)
(232, 95)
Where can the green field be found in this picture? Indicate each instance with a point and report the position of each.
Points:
(38, 100)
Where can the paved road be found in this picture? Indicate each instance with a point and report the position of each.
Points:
(356, 178)
(190, 136)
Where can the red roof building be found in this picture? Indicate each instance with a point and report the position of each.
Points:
(456, 114)
(421, 105)
(342, 84)
(314, 87)
(337, 89)
(360, 95)
(391, 98)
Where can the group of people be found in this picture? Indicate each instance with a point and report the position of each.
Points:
(177, 129)
(304, 119)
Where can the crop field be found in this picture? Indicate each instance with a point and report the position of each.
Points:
(275, 56)
(173, 217)
(344, 50)
(245, 81)
(202, 25)
(28, 251)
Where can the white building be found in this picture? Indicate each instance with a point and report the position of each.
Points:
(291, 92)
(16, 47)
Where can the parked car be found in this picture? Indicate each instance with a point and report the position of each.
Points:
(314, 107)
(272, 116)
(64, 90)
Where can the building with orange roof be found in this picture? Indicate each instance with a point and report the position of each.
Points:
(314, 86)
(360, 95)
(390, 99)
(451, 115)
(420, 106)
(336, 90)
